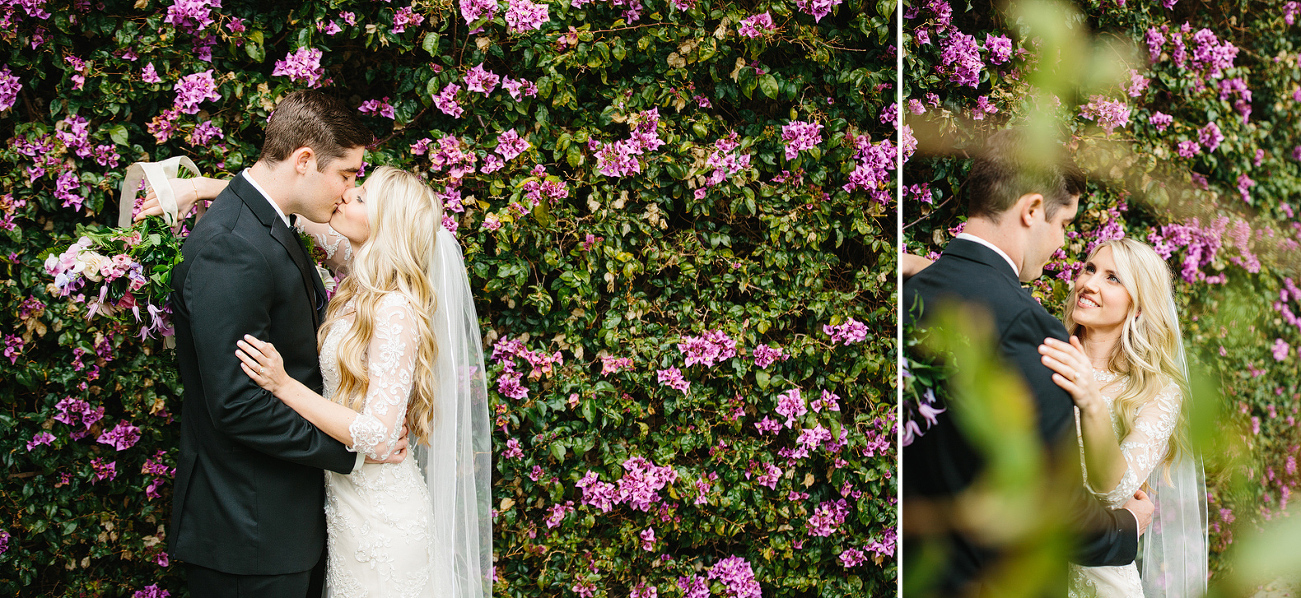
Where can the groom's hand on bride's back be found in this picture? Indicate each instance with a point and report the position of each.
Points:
(399, 450)
(1142, 508)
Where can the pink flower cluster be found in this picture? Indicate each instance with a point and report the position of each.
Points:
(558, 512)
(156, 467)
(756, 25)
(191, 16)
(481, 80)
(459, 161)
(765, 356)
(999, 48)
(519, 88)
(506, 351)
(737, 577)
(672, 378)
(711, 347)
(827, 518)
(1201, 246)
(301, 66)
(790, 405)
(446, 102)
(614, 365)
(619, 158)
(10, 85)
(405, 17)
(960, 59)
(40, 439)
(79, 415)
(473, 10)
(1281, 349)
(1109, 114)
(122, 437)
(799, 136)
(817, 8)
(872, 173)
(204, 133)
(524, 15)
(849, 332)
(193, 89)
(103, 470)
(638, 488)
(1209, 56)
(510, 145)
(377, 107)
(724, 161)
(770, 476)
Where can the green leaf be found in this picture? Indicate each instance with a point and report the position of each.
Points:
(768, 85)
(118, 134)
(558, 450)
(430, 43)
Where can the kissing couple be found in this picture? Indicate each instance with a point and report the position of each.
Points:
(294, 476)
(1112, 368)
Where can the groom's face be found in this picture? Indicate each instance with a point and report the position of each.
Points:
(1047, 235)
(324, 187)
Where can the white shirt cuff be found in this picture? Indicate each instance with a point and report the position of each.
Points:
(361, 460)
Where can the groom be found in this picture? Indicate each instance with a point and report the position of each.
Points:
(1017, 211)
(248, 507)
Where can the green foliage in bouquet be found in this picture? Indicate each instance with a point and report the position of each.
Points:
(678, 222)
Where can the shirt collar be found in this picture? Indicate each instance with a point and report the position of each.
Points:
(975, 239)
(248, 176)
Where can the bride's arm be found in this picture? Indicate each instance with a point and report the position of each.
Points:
(338, 249)
(378, 430)
(1146, 444)
(1103, 459)
(187, 192)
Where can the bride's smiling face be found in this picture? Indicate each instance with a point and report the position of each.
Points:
(350, 218)
(1101, 301)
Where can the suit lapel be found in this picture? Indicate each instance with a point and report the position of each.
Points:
(261, 208)
(294, 246)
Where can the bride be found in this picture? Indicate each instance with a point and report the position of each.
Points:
(400, 344)
(1125, 370)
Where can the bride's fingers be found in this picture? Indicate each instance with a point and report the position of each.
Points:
(247, 359)
(1065, 384)
(1059, 355)
(1059, 367)
(254, 353)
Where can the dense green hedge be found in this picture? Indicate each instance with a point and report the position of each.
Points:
(1185, 114)
(693, 176)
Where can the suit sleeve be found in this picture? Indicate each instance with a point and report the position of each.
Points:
(1106, 537)
(229, 291)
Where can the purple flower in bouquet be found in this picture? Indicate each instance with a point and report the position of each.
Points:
(999, 48)
(960, 57)
(303, 65)
(405, 17)
(10, 85)
(510, 144)
(191, 16)
(523, 15)
(817, 8)
(480, 80)
(377, 107)
(799, 136)
(756, 25)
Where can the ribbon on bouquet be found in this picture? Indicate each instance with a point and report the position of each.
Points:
(156, 174)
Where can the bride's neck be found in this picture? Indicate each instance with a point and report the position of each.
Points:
(1099, 345)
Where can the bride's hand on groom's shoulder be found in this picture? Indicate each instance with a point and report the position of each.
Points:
(262, 363)
(1072, 371)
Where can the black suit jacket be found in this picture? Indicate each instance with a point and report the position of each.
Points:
(249, 495)
(941, 463)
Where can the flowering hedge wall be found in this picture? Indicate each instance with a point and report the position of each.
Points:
(1191, 145)
(678, 224)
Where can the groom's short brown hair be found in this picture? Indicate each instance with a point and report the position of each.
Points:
(309, 118)
(1008, 169)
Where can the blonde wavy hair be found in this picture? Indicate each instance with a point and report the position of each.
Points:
(1149, 340)
(404, 216)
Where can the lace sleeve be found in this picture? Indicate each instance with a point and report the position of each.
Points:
(338, 251)
(391, 366)
(1147, 443)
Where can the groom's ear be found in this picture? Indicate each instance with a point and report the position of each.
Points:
(1029, 207)
(303, 159)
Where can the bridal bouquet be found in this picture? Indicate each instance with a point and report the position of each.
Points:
(123, 274)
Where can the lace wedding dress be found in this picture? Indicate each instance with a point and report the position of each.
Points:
(1144, 449)
(378, 518)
